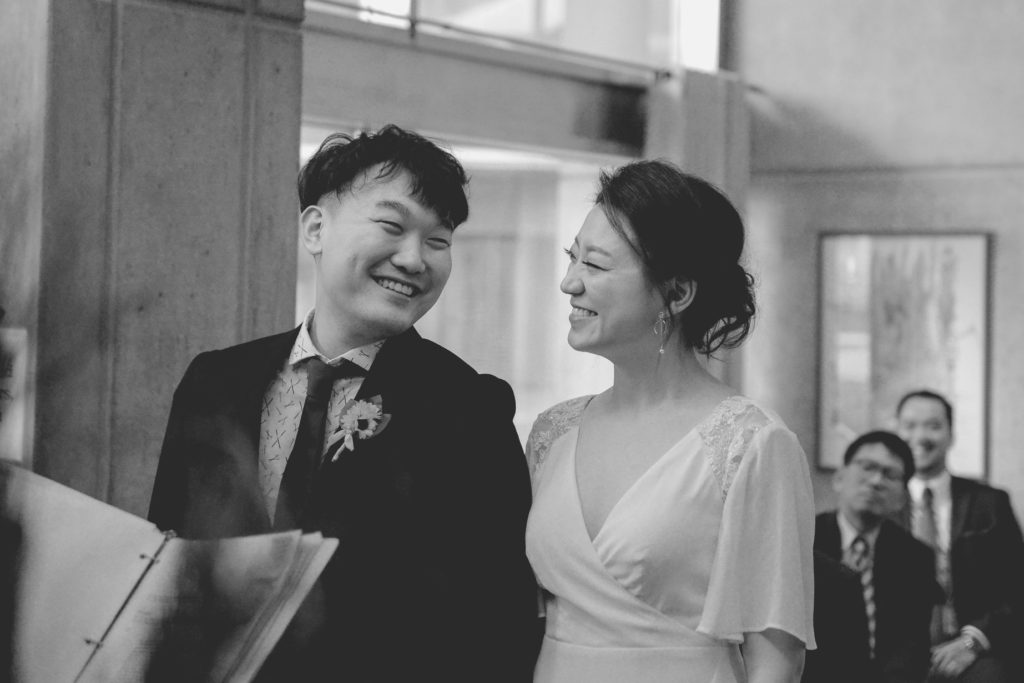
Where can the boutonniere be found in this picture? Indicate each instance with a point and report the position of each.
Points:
(360, 420)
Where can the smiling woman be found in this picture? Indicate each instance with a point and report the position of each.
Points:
(672, 518)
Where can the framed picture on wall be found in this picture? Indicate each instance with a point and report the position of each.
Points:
(901, 312)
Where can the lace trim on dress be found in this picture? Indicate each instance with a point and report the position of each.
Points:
(550, 425)
(727, 436)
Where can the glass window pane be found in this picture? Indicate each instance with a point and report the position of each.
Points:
(640, 31)
(662, 34)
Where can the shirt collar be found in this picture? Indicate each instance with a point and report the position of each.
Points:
(848, 532)
(304, 348)
(939, 485)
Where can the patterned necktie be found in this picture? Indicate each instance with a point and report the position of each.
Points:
(858, 558)
(304, 461)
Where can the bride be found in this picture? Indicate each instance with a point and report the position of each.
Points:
(672, 520)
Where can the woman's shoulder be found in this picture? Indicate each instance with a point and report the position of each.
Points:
(551, 424)
(566, 413)
(735, 431)
(739, 415)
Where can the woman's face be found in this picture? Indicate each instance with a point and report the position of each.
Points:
(614, 307)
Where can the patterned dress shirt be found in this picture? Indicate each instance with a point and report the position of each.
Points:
(283, 401)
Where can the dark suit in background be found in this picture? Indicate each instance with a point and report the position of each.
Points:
(987, 568)
(430, 581)
(905, 592)
(840, 625)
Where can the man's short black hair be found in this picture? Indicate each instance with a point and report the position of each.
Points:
(928, 393)
(438, 179)
(893, 443)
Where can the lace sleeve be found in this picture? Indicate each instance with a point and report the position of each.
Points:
(548, 426)
(728, 436)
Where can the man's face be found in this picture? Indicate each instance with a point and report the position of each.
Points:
(382, 259)
(871, 484)
(922, 423)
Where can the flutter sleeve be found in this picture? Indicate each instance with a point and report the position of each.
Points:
(763, 573)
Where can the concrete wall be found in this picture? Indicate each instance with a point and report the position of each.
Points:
(881, 115)
(167, 213)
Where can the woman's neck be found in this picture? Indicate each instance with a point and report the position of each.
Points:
(675, 376)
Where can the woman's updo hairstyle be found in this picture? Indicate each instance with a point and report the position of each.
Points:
(683, 227)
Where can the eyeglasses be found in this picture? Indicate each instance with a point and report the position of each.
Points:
(868, 468)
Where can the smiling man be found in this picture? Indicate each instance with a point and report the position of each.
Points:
(977, 632)
(355, 426)
(894, 569)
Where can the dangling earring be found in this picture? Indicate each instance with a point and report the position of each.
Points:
(660, 328)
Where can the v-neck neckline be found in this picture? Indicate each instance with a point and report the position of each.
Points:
(643, 475)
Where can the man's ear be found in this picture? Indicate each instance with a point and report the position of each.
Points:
(680, 295)
(311, 225)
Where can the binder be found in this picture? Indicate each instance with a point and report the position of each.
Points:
(101, 595)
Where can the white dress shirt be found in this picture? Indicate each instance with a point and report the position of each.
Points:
(848, 533)
(942, 503)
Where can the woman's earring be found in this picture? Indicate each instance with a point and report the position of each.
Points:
(660, 328)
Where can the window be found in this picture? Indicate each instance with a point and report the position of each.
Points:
(663, 34)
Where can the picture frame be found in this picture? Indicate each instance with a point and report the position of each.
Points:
(901, 312)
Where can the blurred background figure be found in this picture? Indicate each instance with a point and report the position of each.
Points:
(894, 570)
(976, 631)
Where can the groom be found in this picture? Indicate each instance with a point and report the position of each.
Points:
(354, 425)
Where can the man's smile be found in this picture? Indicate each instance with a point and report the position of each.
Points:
(404, 288)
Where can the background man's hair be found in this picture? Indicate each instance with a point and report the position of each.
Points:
(892, 443)
(927, 393)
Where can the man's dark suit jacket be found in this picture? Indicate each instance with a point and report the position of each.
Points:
(987, 566)
(905, 592)
(430, 580)
(840, 626)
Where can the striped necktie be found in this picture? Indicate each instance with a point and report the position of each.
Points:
(858, 558)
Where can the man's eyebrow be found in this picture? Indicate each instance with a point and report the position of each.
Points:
(399, 207)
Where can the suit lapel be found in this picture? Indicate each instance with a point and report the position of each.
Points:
(827, 538)
(393, 377)
(961, 500)
(256, 370)
(885, 552)
(388, 368)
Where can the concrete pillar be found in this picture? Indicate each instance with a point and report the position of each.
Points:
(166, 221)
(700, 122)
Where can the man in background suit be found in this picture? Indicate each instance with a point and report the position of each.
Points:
(895, 570)
(355, 426)
(977, 633)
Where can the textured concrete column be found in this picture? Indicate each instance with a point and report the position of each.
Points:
(167, 219)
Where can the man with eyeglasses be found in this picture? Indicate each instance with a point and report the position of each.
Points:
(977, 631)
(895, 570)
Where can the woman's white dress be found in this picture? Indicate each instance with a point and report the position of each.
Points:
(712, 541)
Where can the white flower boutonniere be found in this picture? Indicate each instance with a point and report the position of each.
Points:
(360, 420)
